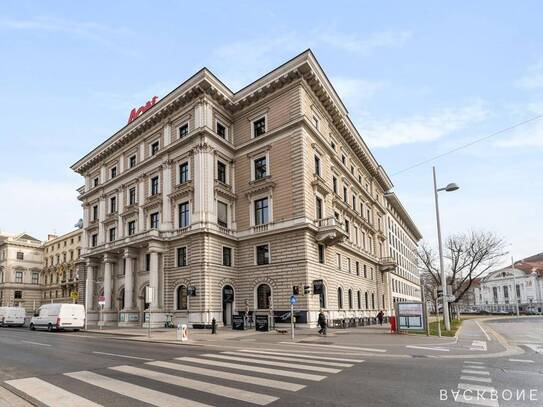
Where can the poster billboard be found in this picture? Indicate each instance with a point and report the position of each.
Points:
(410, 316)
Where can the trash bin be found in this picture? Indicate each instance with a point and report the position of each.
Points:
(392, 321)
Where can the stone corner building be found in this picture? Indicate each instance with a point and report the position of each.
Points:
(222, 202)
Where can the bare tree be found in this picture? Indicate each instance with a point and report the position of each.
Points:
(467, 256)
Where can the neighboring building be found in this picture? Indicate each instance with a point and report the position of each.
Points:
(496, 292)
(223, 202)
(60, 277)
(21, 259)
(403, 238)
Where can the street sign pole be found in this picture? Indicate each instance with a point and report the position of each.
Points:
(438, 320)
(292, 321)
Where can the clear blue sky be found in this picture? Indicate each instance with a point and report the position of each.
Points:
(419, 79)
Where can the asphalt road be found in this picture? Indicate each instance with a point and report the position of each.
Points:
(68, 369)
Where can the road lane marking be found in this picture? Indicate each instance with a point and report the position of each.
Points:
(476, 379)
(478, 345)
(535, 348)
(427, 347)
(153, 397)
(476, 387)
(287, 358)
(521, 360)
(277, 372)
(37, 343)
(217, 389)
(259, 381)
(473, 362)
(121, 356)
(334, 346)
(272, 363)
(473, 400)
(49, 394)
(487, 336)
(301, 356)
(475, 367)
(468, 371)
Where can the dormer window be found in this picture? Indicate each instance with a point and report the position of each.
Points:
(183, 130)
(259, 127)
(221, 130)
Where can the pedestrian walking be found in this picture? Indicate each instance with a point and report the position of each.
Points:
(322, 323)
(380, 317)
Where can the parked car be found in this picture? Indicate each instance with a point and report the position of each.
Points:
(12, 316)
(59, 317)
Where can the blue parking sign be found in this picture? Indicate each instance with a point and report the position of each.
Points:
(292, 299)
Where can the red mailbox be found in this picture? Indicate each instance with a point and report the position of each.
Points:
(392, 320)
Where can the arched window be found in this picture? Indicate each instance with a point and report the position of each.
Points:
(121, 299)
(339, 298)
(366, 298)
(350, 298)
(263, 294)
(373, 300)
(358, 299)
(181, 298)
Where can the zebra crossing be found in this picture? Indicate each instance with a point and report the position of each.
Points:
(258, 377)
(475, 388)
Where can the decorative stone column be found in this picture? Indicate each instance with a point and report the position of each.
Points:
(92, 314)
(129, 316)
(109, 317)
(157, 315)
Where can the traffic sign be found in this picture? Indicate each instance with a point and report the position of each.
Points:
(292, 299)
(101, 300)
(74, 295)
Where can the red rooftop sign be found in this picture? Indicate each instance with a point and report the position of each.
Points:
(135, 113)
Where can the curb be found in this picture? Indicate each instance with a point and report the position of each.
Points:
(10, 397)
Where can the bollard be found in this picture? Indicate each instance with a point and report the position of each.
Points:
(213, 326)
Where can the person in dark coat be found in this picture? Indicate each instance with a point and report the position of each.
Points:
(380, 317)
(322, 323)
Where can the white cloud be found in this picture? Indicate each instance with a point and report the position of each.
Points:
(355, 91)
(355, 44)
(38, 207)
(421, 128)
(533, 79)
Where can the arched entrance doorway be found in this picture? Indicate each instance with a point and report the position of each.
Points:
(227, 304)
(120, 305)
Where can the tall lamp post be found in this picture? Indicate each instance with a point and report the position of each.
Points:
(515, 286)
(449, 188)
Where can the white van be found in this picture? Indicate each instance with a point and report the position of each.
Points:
(59, 316)
(12, 316)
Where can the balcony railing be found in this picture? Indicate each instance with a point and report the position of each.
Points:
(330, 231)
(387, 263)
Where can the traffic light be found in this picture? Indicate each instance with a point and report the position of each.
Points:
(307, 289)
(295, 290)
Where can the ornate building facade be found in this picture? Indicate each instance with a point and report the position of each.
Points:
(223, 202)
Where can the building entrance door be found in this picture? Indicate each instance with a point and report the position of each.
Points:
(227, 304)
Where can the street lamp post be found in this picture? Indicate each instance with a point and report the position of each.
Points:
(449, 188)
(515, 285)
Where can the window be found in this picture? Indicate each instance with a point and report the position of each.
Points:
(357, 268)
(317, 166)
(263, 294)
(322, 297)
(222, 214)
(350, 295)
(96, 182)
(343, 159)
(340, 298)
(132, 196)
(260, 168)
(334, 184)
(154, 185)
(338, 257)
(147, 261)
(18, 295)
(347, 226)
(154, 220)
(333, 145)
(349, 264)
(131, 227)
(316, 122)
(259, 127)
(354, 202)
(181, 256)
(227, 256)
(262, 254)
(366, 299)
(221, 130)
(183, 130)
(154, 147)
(113, 172)
(261, 211)
(20, 256)
(181, 298)
(184, 218)
(18, 276)
(345, 195)
(318, 208)
(112, 232)
(221, 172)
(95, 212)
(94, 240)
(113, 204)
(132, 161)
(358, 300)
(183, 173)
(321, 254)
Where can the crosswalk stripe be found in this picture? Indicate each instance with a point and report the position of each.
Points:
(149, 396)
(476, 379)
(334, 346)
(217, 389)
(475, 387)
(277, 372)
(476, 367)
(472, 399)
(468, 371)
(469, 362)
(521, 360)
(272, 363)
(301, 356)
(291, 358)
(49, 394)
(259, 381)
